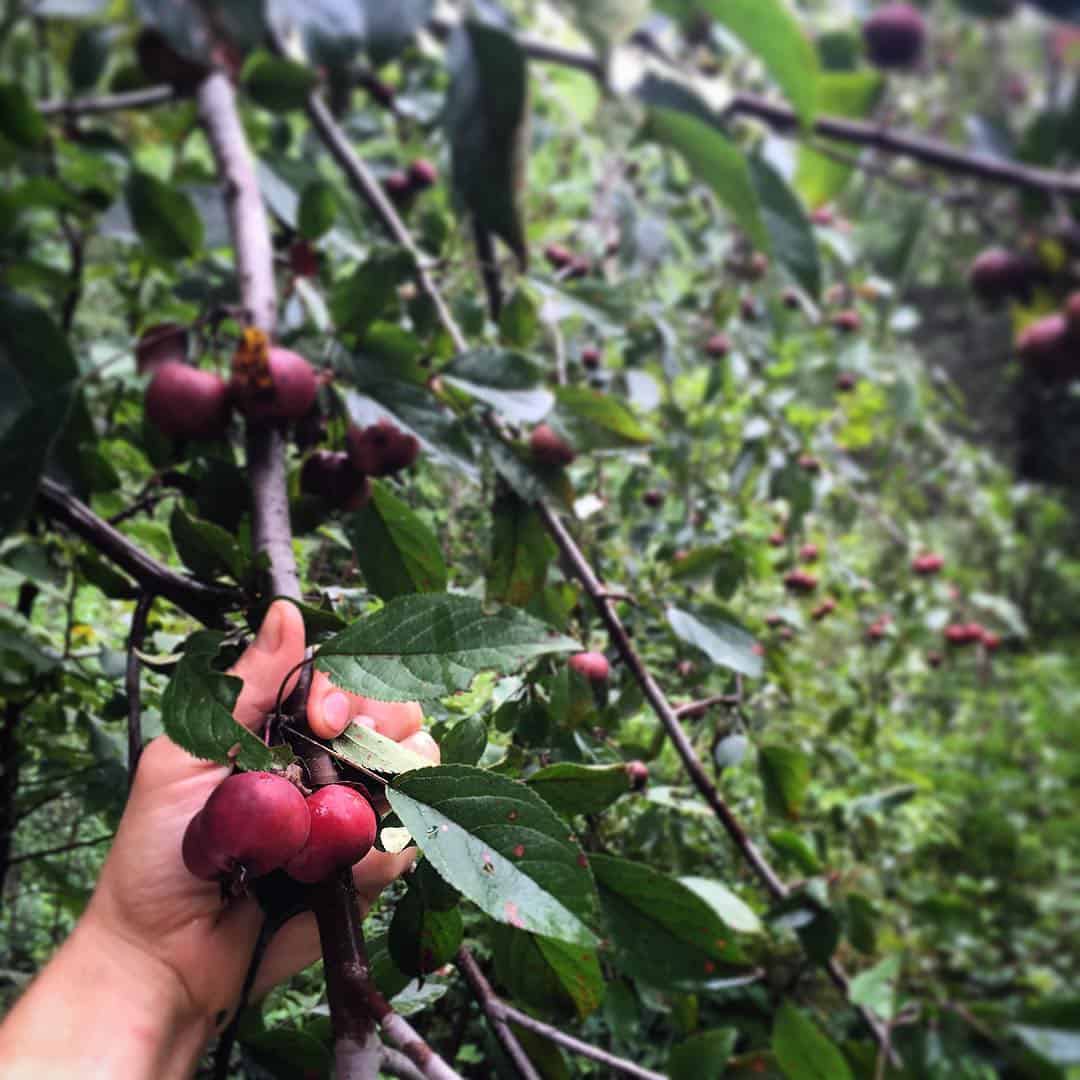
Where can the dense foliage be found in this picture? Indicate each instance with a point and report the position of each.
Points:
(767, 449)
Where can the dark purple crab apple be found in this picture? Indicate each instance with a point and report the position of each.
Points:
(291, 396)
(895, 35)
(343, 828)
(253, 822)
(186, 402)
(382, 449)
(549, 448)
(331, 475)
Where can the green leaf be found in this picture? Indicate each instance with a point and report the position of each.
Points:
(388, 28)
(358, 300)
(366, 748)
(165, 218)
(792, 845)
(465, 742)
(276, 84)
(703, 1056)
(420, 938)
(549, 975)
(819, 179)
(792, 238)
(318, 209)
(683, 124)
(596, 420)
(500, 845)
(735, 912)
(205, 548)
(22, 643)
(511, 383)
(785, 774)
(580, 789)
(487, 124)
(427, 646)
(20, 122)
(521, 552)
(664, 933)
(875, 988)
(520, 318)
(89, 56)
(724, 644)
(396, 552)
(196, 708)
(803, 1051)
(1056, 1045)
(770, 30)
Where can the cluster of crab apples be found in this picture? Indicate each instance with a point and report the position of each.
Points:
(191, 403)
(256, 822)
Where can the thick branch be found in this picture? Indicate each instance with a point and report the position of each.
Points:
(502, 1015)
(205, 602)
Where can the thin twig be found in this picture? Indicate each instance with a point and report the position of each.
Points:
(698, 708)
(46, 852)
(132, 683)
(105, 103)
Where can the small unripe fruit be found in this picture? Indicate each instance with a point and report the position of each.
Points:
(343, 828)
(548, 448)
(800, 581)
(996, 274)
(254, 822)
(809, 553)
(291, 395)
(847, 321)
(637, 773)
(160, 62)
(159, 344)
(590, 357)
(653, 498)
(187, 403)
(824, 609)
(1044, 348)
(382, 449)
(593, 666)
(927, 564)
(558, 256)
(718, 346)
(894, 36)
(846, 381)
(423, 174)
(331, 476)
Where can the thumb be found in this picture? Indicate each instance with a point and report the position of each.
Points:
(277, 649)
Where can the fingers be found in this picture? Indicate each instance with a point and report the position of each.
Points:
(331, 710)
(421, 742)
(278, 647)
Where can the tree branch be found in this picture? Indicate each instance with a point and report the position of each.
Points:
(204, 602)
(45, 852)
(132, 683)
(105, 103)
(502, 1015)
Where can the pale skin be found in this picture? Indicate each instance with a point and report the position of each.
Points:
(154, 967)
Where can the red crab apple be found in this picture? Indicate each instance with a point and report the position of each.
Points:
(800, 581)
(291, 395)
(330, 475)
(963, 633)
(253, 821)
(343, 827)
(1044, 347)
(894, 36)
(825, 608)
(593, 666)
(847, 321)
(653, 498)
(548, 448)
(991, 641)
(398, 186)
(718, 346)
(423, 174)
(159, 344)
(996, 274)
(187, 403)
(927, 563)
(846, 381)
(809, 463)
(776, 539)
(637, 773)
(382, 448)
(809, 553)
(590, 357)
(558, 256)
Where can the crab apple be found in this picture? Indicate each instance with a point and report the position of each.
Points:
(579, 267)
(809, 553)
(303, 259)
(1044, 347)
(927, 563)
(686, 669)
(160, 62)
(253, 821)
(774, 619)
(653, 498)
(748, 309)
(894, 36)
(991, 641)
(934, 658)
(382, 448)
(809, 463)
(718, 346)
(291, 395)
(877, 630)
(382, 93)
(963, 633)
(825, 608)
(343, 827)
(800, 581)
(187, 403)
(847, 321)
(398, 186)
(822, 215)
(758, 266)
(996, 274)
(548, 448)
(558, 256)
(637, 773)
(593, 666)
(846, 381)
(790, 299)
(776, 539)
(330, 475)
(423, 174)
(590, 357)
(160, 343)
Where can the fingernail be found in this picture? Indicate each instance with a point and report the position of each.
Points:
(268, 640)
(336, 710)
(364, 721)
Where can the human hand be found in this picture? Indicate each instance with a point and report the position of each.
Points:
(170, 931)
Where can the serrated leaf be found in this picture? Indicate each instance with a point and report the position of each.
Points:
(358, 300)
(427, 646)
(396, 552)
(465, 742)
(596, 420)
(366, 748)
(500, 845)
(703, 1056)
(165, 218)
(724, 644)
(205, 548)
(487, 122)
(276, 84)
(796, 849)
(663, 932)
(521, 552)
(580, 789)
(875, 988)
(803, 1050)
(791, 235)
(420, 938)
(510, 382)
(785, 774)
(735, 912)
(197, 705)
